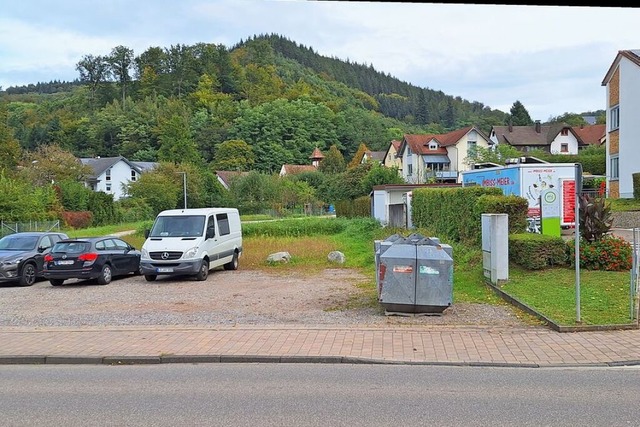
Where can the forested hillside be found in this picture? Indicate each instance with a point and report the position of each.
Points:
(280, 98)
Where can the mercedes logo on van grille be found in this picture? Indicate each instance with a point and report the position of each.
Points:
(165, 255)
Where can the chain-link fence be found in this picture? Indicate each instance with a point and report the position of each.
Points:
(10, 227)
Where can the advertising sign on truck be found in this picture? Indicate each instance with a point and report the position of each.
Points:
(530, 180)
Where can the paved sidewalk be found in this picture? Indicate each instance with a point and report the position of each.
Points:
(528, 347)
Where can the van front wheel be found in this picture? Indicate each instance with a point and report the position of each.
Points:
(203, 273)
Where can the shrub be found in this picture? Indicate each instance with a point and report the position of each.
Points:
(77, 219)
(537, 251)
(610, 253)
(595, 217)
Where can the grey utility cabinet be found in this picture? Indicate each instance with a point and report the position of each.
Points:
(414, 274)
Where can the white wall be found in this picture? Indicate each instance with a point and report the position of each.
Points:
(120, 173)
(568, 139)
(629, 157)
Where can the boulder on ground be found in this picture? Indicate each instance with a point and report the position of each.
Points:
(336, 256)
(279, 257)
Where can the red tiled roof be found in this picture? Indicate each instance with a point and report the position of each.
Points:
(295, 169)
(591, 135)
(419, 144)
(317, 154)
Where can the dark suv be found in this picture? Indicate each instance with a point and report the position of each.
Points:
(22, 255)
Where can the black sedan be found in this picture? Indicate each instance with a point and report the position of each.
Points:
(99, 258)
(22, 254)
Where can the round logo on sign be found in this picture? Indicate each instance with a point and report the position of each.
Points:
(550, 197)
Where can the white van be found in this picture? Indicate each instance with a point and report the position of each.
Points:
(192, 242)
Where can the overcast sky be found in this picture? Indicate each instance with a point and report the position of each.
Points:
(551, 58)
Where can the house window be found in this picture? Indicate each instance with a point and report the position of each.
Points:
(614, 118)
(409, 170)
(564, 147)
(615, 172)
(564, 132)
(108, 174)
(471, 148)
(108, 187)
(133, 175)
(433, 145)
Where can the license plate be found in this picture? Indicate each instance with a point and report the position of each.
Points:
(64, 262)
(165, 270)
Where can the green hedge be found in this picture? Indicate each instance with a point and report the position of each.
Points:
(514, 206)
(535, 251)
(451, 213)
(360, 207)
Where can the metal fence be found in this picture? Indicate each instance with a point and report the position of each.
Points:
(7, 227)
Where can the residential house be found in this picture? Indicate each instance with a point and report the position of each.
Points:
(316, 157)
(112, 174)
(439, 158)
(373, 156)
(622, 83)
(226, 177)
(555, 138)
(391, 158)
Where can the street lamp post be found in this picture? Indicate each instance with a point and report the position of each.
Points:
(184, 187)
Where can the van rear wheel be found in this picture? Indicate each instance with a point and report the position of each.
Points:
(203, 273)
(233, 264)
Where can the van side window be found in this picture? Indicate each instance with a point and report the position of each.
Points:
(211, 225)
(223, 224)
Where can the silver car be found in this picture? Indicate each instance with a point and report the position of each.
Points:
(22, 255)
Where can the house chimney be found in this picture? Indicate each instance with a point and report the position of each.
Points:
(537, 126)
(510, 126)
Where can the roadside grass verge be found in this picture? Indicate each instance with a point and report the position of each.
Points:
(604, 295)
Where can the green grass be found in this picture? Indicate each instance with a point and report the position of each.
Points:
(604, 296)
(623, 205)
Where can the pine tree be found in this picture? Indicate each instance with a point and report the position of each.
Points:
(520, 115)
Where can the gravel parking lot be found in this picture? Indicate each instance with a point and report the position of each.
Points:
(225, 298)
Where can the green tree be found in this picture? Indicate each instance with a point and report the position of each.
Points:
(160, 188)
(519, 115)
(50, 164)
(380, 175)
(176, 143)
(333, 161)
(10, 150)
(497, 154)
(94, 70)
(22, 201)
(121, 61)
(421, 113)
(357, 157)
(572, 119)
(233, 155)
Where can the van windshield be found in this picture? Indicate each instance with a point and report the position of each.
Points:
(178, 226)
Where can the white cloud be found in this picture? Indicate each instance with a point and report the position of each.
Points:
(551, 58)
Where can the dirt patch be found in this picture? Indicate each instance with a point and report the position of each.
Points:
(331, 297)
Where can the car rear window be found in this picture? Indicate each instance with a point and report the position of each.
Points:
(71, 247)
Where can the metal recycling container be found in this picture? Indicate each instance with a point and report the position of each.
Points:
(414, 274)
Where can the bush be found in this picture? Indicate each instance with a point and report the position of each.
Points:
(77, 219)
(537, 251)
(610, 253)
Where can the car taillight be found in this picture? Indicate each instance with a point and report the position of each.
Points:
(48, 258)
(91, 256)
